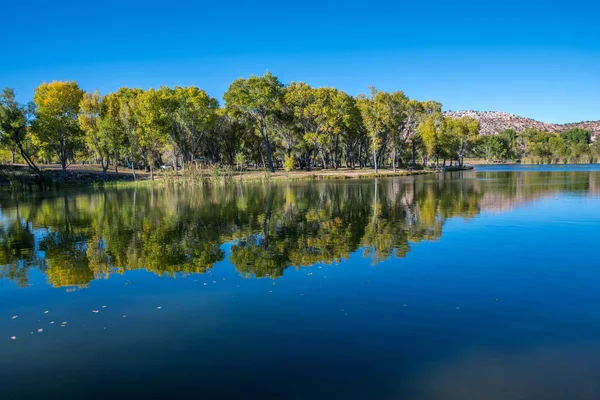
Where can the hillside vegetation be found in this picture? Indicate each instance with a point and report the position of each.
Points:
(494, 122)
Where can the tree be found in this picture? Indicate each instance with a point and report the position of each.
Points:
(153, 127)
(493, 147)
(289, 163)
(373, 110)
(509, 137)
(300, 98)
(463, 135)
(418, 112)
(110, 130)
(56, 126)
(190, 114)
(127, 114)
(15, 120)
(90, 109)
(256, 98)
(576, 135)
(336, 115)
(430, 133)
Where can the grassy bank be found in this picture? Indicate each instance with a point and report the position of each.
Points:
(17, 177)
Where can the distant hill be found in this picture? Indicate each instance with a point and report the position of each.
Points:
(493, 122)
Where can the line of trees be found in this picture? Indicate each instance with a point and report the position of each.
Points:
(535, 146)
(262, 122)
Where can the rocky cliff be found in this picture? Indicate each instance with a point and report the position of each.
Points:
(493, 122)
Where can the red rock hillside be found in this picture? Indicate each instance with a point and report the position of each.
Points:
(493, 122)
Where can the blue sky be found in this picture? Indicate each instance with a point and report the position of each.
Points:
(531, 58)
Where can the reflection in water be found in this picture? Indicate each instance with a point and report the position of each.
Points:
(75, 239)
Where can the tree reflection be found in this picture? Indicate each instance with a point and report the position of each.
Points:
(74, 239)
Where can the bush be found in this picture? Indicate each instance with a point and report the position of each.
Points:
(289, 163)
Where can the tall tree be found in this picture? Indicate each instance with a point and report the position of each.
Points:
(256, 99)
(110, 130)
(300, 99)
(15, 120)
(190, 114)
(373, 110)
(463, 133)
(128, 104)
(90, 109)
(153, 128)
(56, 126)
(429, 131)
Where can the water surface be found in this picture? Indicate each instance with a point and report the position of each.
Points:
(474, 285)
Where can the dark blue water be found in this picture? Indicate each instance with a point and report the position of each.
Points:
(477, 285)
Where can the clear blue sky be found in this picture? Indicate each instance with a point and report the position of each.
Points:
(538, 59)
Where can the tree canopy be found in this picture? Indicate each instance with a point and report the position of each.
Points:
(263, 123)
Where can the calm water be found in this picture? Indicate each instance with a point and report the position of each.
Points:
(476, 285)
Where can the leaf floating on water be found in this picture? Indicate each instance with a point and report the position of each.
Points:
(103, 306)
(46, 312)
(40, 330)
(95, 311)
(14, 317)
(158, 308)
(51, 322)
(124, 315)
(13, 338)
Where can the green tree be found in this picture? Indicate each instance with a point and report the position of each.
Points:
(15, 119)
(430, 131)
(373, 110)
(289, 163)
(190, 114)
(256, 98)
(127, 114)
(56, 126)
(90, 109)
(576, 135)
(463, 136)
(153, 128)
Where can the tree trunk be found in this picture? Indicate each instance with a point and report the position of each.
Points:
(151, 172)
(336, 155)
(12, 156)
(307, 159)
(375, 159)
(27, 159)
(267, 144)
(63, 164)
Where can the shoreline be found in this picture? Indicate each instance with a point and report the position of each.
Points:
(20, 177)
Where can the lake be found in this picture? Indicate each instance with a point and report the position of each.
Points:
(481, 284)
